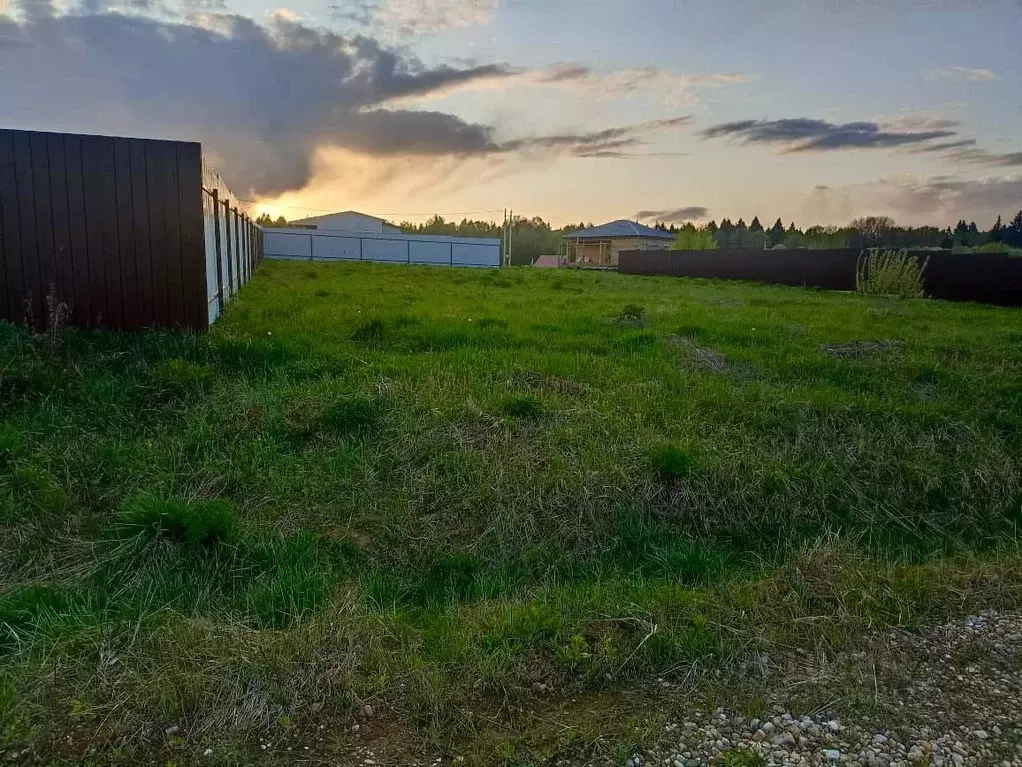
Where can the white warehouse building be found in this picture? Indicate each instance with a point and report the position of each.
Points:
(347, 221)
(352, 236)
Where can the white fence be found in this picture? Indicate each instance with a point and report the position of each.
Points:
(232, 242)
(326, 245)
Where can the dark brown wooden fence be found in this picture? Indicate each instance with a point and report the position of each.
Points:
(994, 278)
(112, 228)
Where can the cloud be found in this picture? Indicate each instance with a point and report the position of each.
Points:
(913, 132)
(942, 199)
(810, 135)
(967, 152)
(968, 74)
(358, 12)
(674, 89)
(409, 18)
(947, 146)
(919, 121)
(675, 216)
(263, 99)
(618, 142)
(671, 87)
(936, 200)
(412, 17)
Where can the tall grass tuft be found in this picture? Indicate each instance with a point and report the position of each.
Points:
(890, 273)
(197, 523)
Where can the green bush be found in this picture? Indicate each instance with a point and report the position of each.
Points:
(890, 273)
(203, 524)
(690, 238)
(994, 247)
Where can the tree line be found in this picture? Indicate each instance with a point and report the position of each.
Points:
(867, 232)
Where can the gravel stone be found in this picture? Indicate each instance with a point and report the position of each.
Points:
(947, 696)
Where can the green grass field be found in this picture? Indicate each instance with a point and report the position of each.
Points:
(431, 489)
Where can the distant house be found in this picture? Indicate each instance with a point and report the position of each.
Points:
(600, 245)
(347, 221)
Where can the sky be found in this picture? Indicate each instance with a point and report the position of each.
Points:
(816, 111)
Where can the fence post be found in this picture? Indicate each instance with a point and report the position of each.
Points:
(230, 255)
(219, 260)
(242, 233)
(237, 250)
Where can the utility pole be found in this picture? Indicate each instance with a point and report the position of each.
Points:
(510, 235)
(503, 241)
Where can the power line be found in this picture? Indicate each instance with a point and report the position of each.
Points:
(320, 210)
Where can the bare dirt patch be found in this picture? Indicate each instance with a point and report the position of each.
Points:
(858, 349)
(708, 358)
(542, 382)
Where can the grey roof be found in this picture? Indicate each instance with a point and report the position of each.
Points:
(622, 228)
(340, 213)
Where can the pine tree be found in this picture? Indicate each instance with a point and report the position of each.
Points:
(997, 231)
(776, 235)
(961, 234)
(755, 226)
(1013, 233)
(726, 234)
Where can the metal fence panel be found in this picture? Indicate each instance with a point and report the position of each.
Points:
(334, 245)
(994, 278)
(336, 248)
(474, 254)
(395, 251)
(110, 227)
(431, 253)
(287, 244)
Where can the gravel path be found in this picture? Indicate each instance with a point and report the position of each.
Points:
(948, 696)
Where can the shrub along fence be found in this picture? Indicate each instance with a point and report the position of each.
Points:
(112, 231)
(994, 278)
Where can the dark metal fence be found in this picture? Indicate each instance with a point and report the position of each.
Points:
(110, 228)
(994, 278)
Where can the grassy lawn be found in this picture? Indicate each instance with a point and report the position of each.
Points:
(434, 489)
